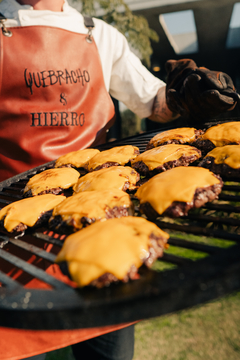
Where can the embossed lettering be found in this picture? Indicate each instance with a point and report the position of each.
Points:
(53, 75)
(64, 117)
(74, 77)
(86, 75)
(44, 78)
(53, 116)
(36, 117)
(45, 119)
(80, 76)
(74, 119)
(81, 119)
(57, 119)
(28, 81)
(68, 77)
(60, 76)
(47, 78)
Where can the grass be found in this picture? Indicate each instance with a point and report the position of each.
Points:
(62, 354)
(207, 332)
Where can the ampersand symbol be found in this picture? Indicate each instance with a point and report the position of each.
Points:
(63, 99)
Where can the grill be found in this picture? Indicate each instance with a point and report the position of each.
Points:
(177, 282)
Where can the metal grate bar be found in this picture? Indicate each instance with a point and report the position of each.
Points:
(14, 196)
(215, 219)
(197, 230)
(32, 270)
(7, 281)
(12, 188)
(177, 260)
(49, 239)
(231, 187)
(4, 237)
(229, 197)
(222, 207)
(33, 249)
(193, 245)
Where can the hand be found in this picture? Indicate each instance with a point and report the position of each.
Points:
(198, 93)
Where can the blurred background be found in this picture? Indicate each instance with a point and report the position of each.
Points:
(207, 31)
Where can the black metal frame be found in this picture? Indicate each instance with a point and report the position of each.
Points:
(154, 294)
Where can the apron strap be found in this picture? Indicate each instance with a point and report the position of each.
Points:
(89, 24)
(88, 21)
(5, 31)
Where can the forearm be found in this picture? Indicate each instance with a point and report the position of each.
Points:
(160, 110)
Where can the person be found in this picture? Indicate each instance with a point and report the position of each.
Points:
(59, 87)
(58, 70)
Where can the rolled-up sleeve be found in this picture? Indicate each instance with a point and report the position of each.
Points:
(127, 79)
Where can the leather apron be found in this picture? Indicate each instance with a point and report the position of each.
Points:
(53, 101)
(53, 97)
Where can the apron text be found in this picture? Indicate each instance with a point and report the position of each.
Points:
(57, 119)
(50, 77)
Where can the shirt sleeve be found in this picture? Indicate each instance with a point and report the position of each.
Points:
(129, 80)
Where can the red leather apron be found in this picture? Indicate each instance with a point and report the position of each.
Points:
(53, 97)
(53, 100)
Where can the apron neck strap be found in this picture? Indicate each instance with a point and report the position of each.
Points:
(88, 21)
(5, 31)
(89, 24)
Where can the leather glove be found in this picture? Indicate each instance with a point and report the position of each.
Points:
(196, 92)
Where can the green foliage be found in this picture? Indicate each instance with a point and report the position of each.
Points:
(135, 28)
(129, 123)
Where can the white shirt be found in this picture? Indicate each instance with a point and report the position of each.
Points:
(125, 77)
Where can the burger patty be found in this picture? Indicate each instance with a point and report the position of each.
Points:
(105, 165)
(54, 191)
(68, 227)
(179, 208)
(222, 169)
(57, 224)
(175, 141)
(143, 169)
(81, 170)
(114, 163)
(45, 216)
(155, 251)
(204, 145)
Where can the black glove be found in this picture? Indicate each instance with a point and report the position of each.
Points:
(196, 92)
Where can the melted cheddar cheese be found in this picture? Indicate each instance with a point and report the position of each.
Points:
(113, 177)
(162, 154)
(223, 134)
(63, 178)
(90, 204)
(77, 158)
(112, 247)
(178, 184)
(28, 211)
(119, 154)
(229, 154)
(183, 135)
